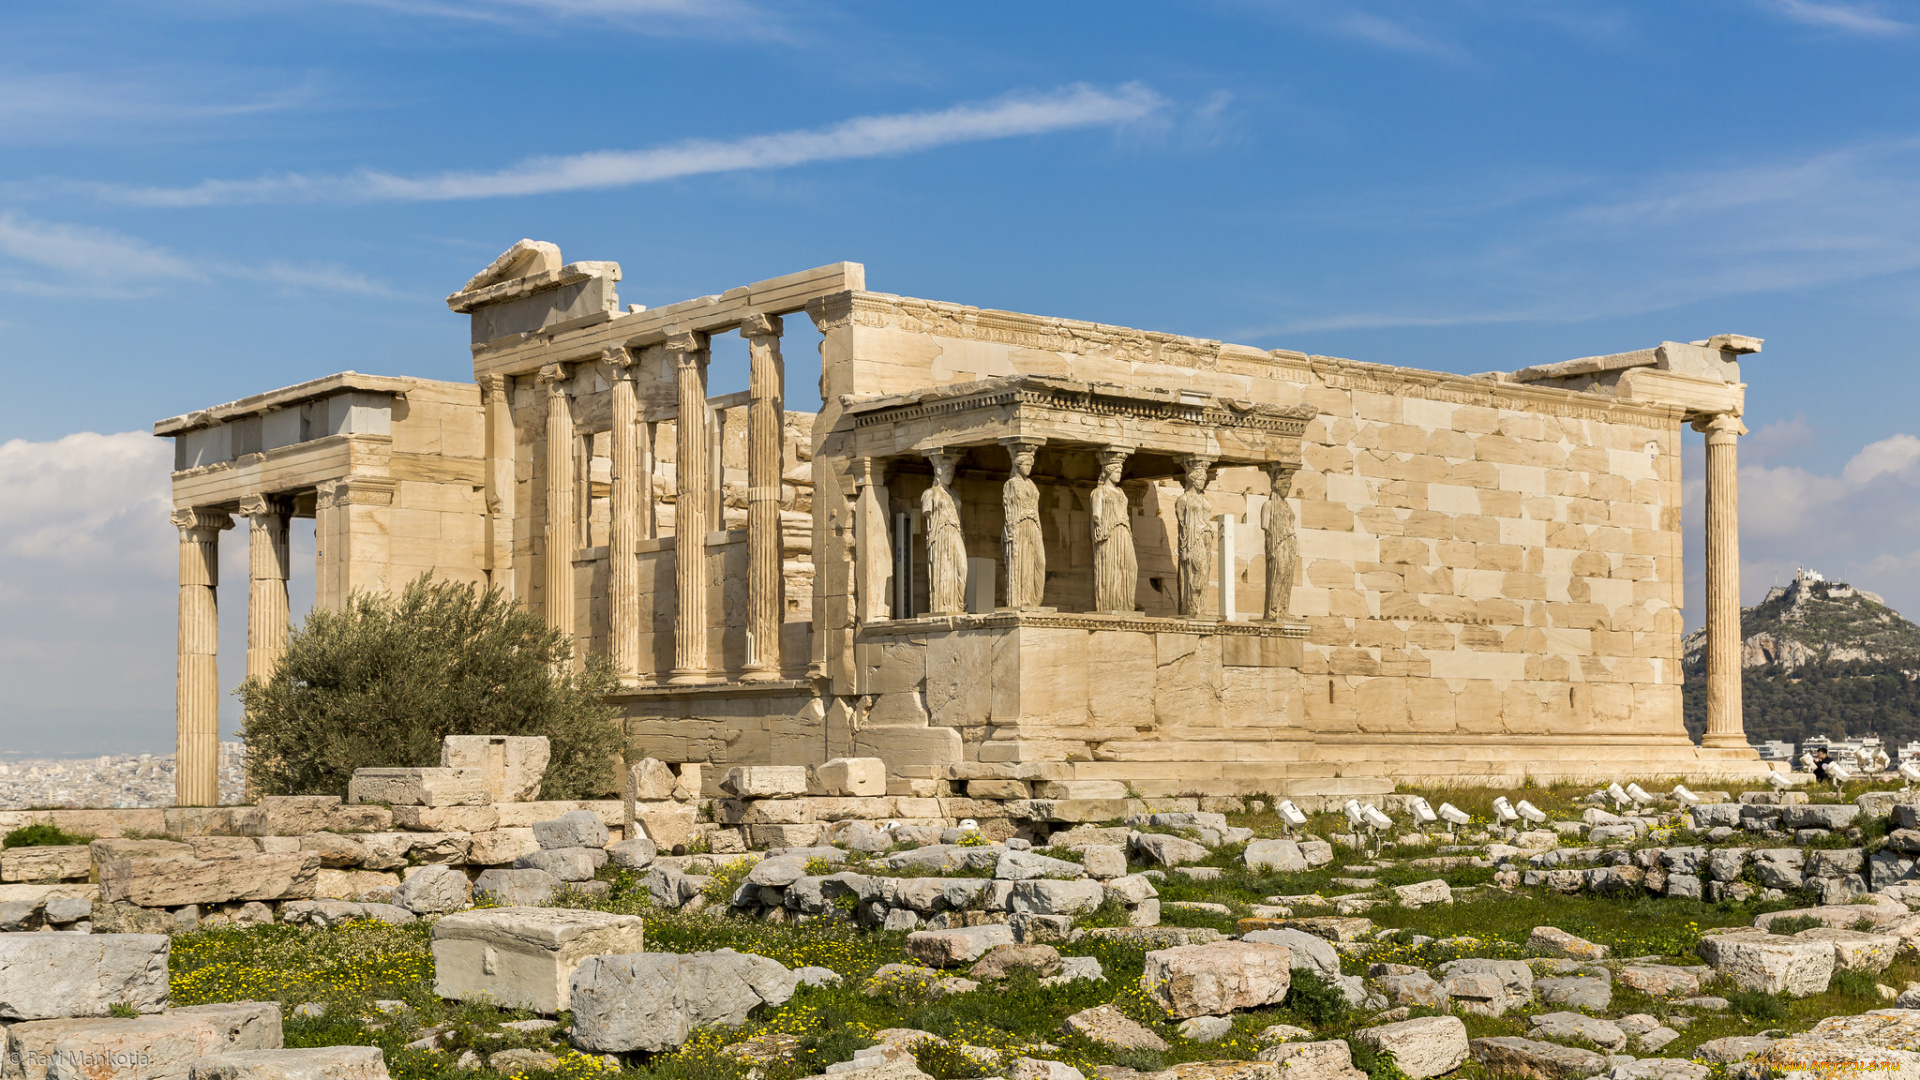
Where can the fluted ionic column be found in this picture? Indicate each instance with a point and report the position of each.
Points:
(267, 569)
(690, 508)
(623, 531)
(197, 693)
(1725, 724)
(559, 523)
(499, 483)
(766, 592)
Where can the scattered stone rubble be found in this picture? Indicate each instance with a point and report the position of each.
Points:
(981, 903)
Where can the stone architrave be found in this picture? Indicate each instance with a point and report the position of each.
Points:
(1116, 568)
(1020, 539)
(946, 546)
(1283, 542)
(1193, 513)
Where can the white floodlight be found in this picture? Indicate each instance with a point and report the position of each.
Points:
(1685, 797)
(1881, 762)
(1910, 772)
(1374, 818)
(1638, 794)
(1421, 810)
(1453, 815)
(1290, 815)
(1779, 780)
(1806, 760)
(1531, 812)
(1354, 816)
(1504, 810)
(1621, 800)
(892, 825)
(1839, 773)
(968, 825)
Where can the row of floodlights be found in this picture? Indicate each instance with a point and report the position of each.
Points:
(1368, 816)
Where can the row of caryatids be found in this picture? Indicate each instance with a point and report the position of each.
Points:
(695, 508)
(1116, 565)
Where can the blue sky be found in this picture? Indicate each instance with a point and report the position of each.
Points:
(204, 199)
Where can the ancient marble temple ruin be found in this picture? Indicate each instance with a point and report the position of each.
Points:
(1034, 555)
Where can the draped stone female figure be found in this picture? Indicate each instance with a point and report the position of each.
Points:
(946, 547)
(1193, 512)
(1283, 544)
(1116, 570)
(1026, 555)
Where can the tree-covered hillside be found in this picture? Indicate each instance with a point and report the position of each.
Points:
(1819, 658)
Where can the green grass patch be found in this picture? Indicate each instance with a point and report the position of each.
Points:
(43, 834)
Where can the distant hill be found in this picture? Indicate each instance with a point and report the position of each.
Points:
(1819, 658)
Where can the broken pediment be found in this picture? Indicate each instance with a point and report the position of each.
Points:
(525, 258)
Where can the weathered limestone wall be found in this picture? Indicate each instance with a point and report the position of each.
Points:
(1491, 572)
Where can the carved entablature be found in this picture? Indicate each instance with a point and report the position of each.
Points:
(1065, 412)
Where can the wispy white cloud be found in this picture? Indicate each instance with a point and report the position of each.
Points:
(53, 259)
(1073, 107)
(133, 106)
(1569, 249)
(1399, 35)
(326, 277)
(1834, 15)
(107, 258)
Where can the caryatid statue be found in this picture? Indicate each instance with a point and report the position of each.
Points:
(946, 547)
(1020, 540)
(1193, 513)
(1283, 544)
(1116, 570)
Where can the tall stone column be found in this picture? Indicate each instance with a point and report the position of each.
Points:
(1726, 728)
(197, 693)
(267, 568)
(559, 523)
(623, 531)
(499, 483)
(690, 509)
(766, 590)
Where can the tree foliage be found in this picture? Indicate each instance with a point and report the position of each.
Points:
(381, 680)
(1835, 699)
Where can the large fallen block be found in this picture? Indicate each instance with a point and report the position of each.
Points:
(160, 874)
(1212, 980)
(59, 974)
(1753, 959)
(419, 787)
(313, 1063)
(511, 766)
(298, 815)
(523, 957)
(141, 1048)
(654, 1001)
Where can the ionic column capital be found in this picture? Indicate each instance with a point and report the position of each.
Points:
(689, 346)
(554, 377)
(1726, 425)
(199, 517)
(759, 326)
(495, 384)
(260, 506)
(623, 359)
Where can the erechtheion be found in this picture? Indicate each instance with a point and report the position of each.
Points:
(1033, 555)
